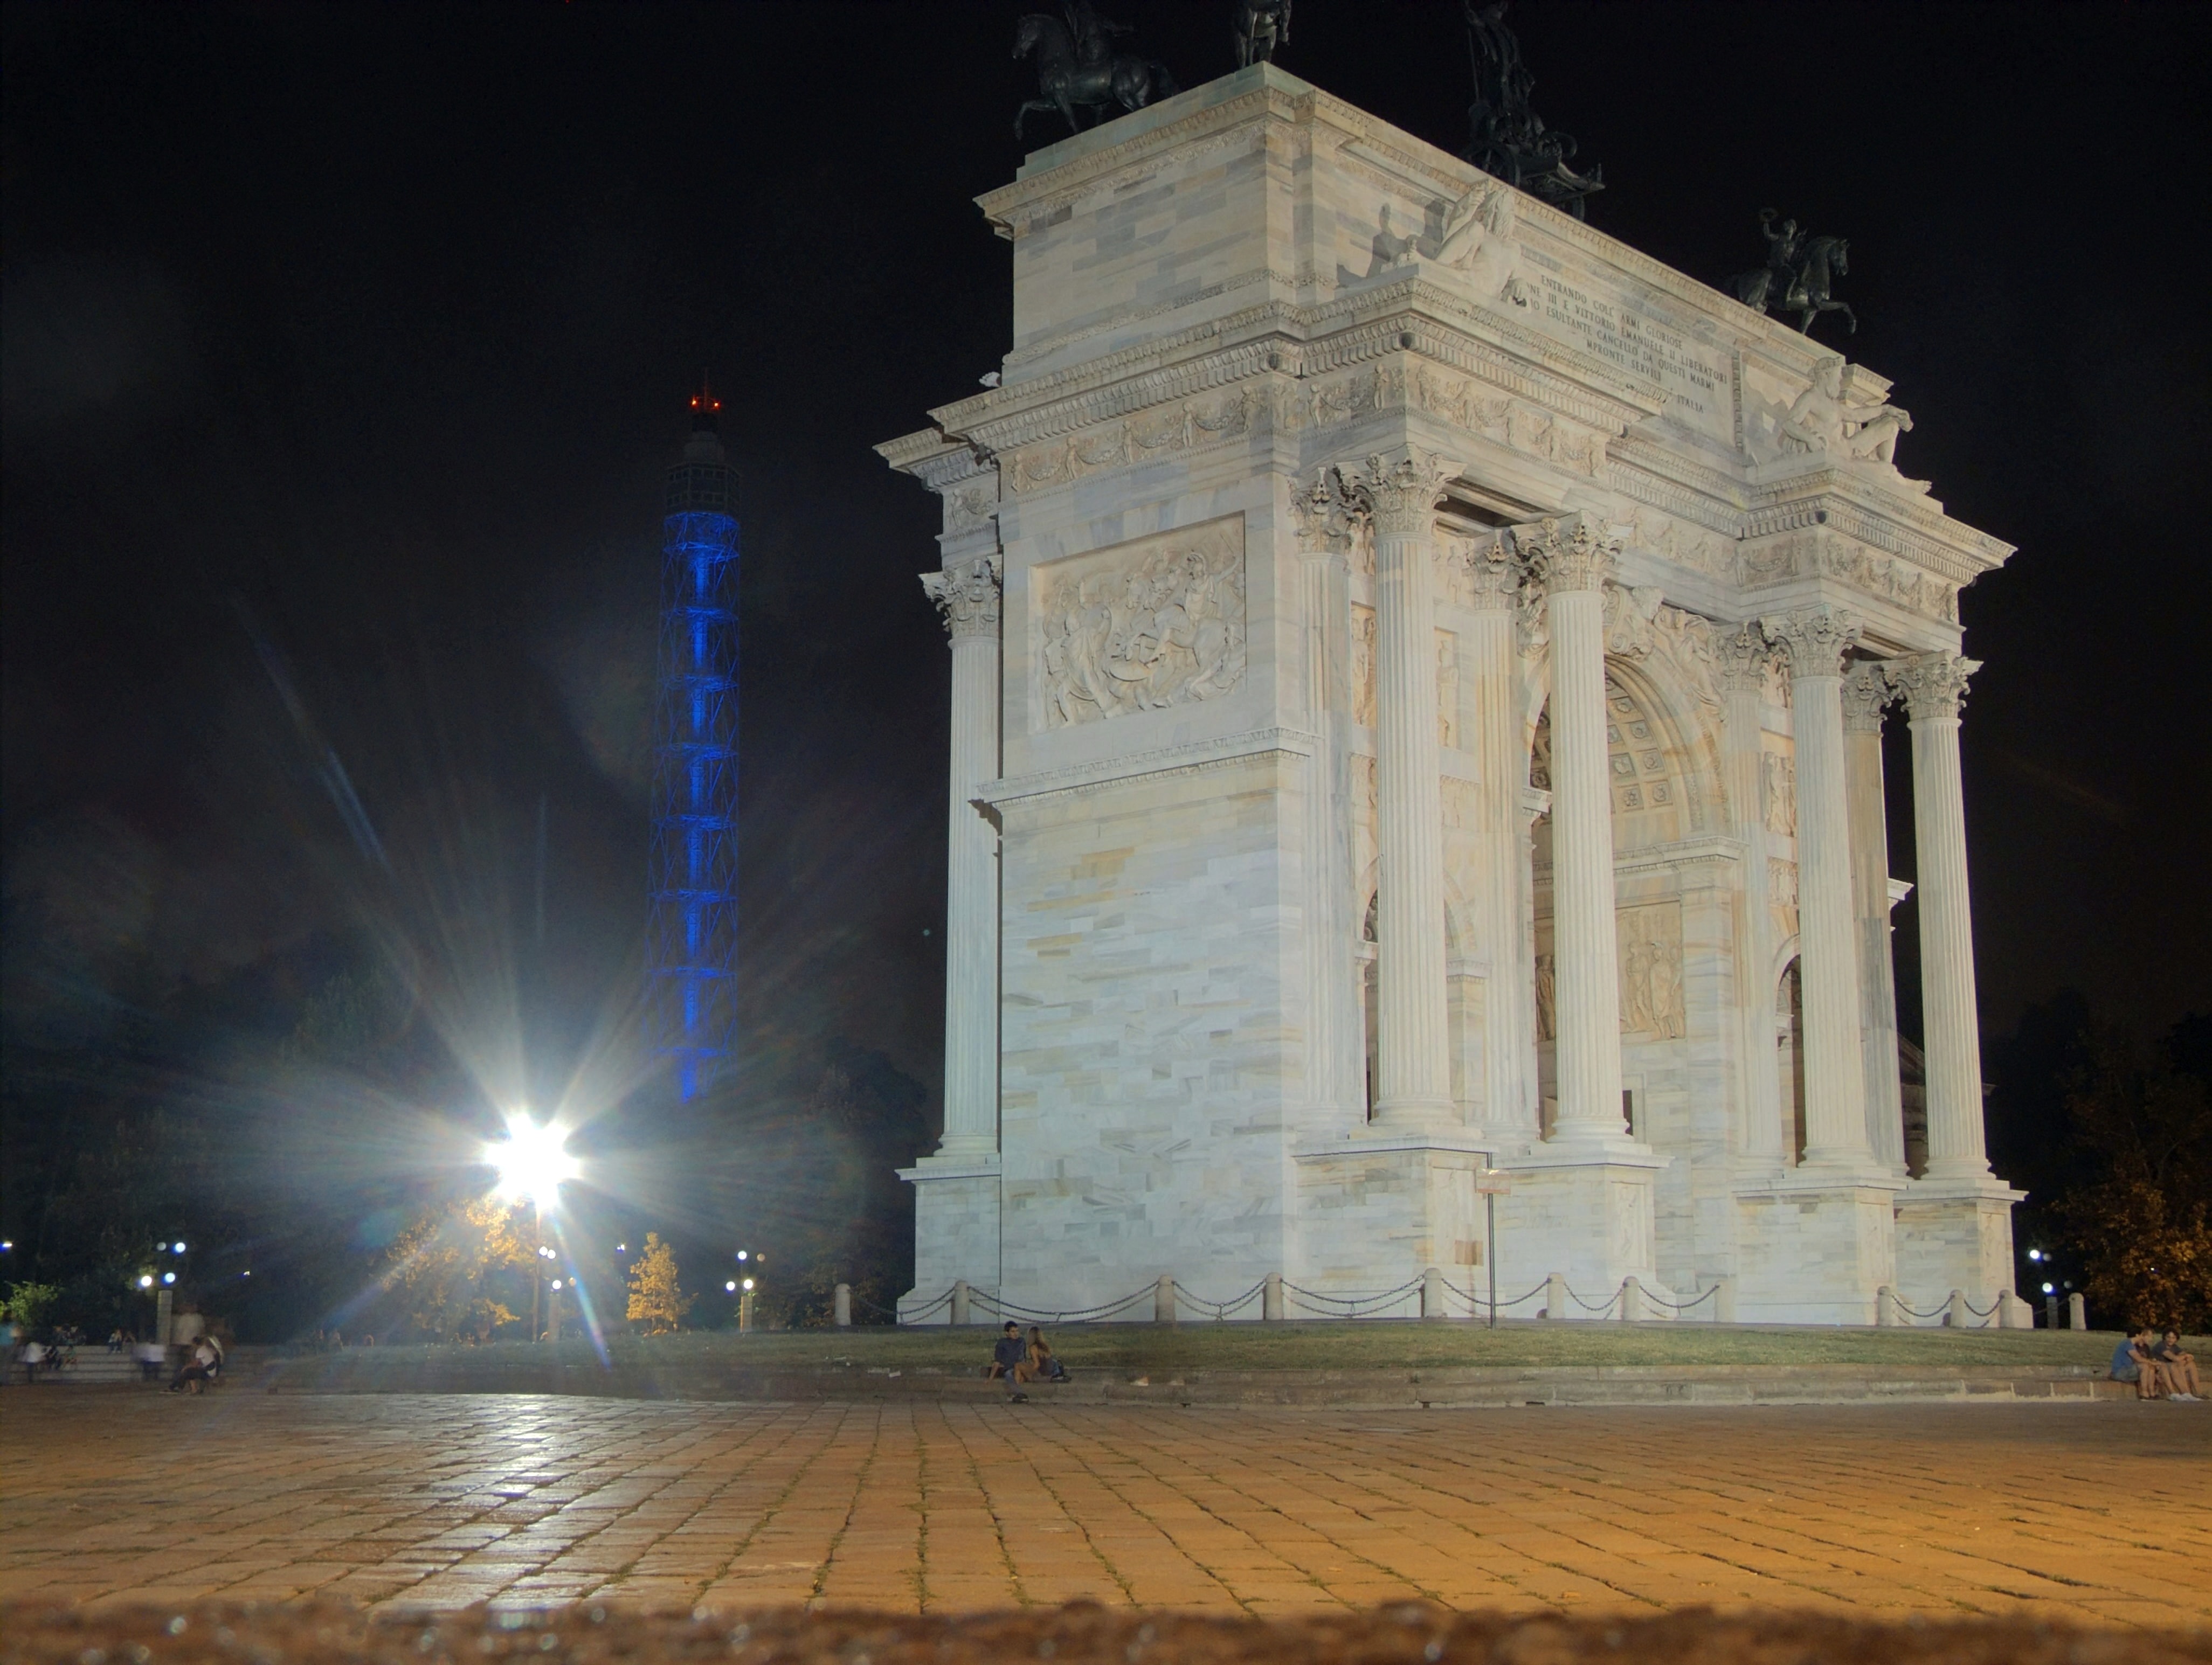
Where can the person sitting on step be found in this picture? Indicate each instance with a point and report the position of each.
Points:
(1044, 1364)
(2133, 1361)
(1010, 1359)
(2179, 1368)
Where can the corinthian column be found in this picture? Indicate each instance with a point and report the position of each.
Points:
(1572, 558)
(1745, 659)
(1866, 692)
(967, 594)
(1492, 652)
(1827, 950)
(1412, 1054)
(1934, 684)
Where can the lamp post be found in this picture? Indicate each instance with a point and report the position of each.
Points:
(1492, 1182)
(533, 1161)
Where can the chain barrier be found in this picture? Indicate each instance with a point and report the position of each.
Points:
(1352, 1306)
(1680, 1306)
(1218, 1310)
(1983, 1312)
(1935, 1311)
(1478, 1307)
(1083, 1315)
(1610, 1301)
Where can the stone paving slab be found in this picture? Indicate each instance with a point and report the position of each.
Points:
(2084, 1512)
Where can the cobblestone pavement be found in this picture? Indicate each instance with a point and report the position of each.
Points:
(2084, 1512)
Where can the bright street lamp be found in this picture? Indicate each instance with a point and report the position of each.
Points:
(532, 1160)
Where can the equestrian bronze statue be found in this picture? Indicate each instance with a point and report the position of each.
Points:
(1080, 68)
(1798, 276)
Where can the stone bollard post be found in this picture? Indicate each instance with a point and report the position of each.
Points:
(2001, 1300)
(1724, 1301)
(840, 1306)
(1555, 1296)
(1432, 1294)
(1163, 1301)
(1885, 1308)
(2051, 1311)
(1632, 1300)
(959, 1300)
(2077, 1312)
(1271, 1298)
(1954, 1310)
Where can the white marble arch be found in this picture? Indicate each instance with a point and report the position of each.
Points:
(1161, 966)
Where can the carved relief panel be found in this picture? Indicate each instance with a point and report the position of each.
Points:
(1156, 622)
(1650, 948)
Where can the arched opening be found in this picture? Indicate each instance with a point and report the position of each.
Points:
(1790, 1059)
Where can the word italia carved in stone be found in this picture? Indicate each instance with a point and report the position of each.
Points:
(1146, 625)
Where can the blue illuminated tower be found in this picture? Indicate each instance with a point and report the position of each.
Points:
(691, 946)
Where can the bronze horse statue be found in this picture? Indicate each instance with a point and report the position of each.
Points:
(1067, 82)
(1808, 274)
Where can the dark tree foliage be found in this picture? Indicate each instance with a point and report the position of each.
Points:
(2114, 1147)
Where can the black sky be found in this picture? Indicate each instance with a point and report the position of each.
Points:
(363, 333)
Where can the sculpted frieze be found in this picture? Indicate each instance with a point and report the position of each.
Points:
(1153, 623)
(1179, 428)
(1651, 968)
(1810, 554)
(1638, 623)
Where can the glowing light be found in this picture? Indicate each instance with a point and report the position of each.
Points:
(146, 1280)
(2035, 1254)
(178, 1247)
(2048, 1290)
(621, 1248)
(731, 1286)
(556, 1283)
(169, 1277)
(749, 1283)
(741, 1254)
(532, 1160)
(7, 1243)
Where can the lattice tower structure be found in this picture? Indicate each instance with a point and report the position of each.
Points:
(691, 946)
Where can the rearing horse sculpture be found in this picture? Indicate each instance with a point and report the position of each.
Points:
(1066, 84)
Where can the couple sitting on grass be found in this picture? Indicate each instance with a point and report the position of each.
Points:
(1020, 1361)
(2160, 1369)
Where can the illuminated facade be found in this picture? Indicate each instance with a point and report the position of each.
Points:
(691, 945)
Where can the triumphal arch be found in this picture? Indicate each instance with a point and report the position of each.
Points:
(1418, 668)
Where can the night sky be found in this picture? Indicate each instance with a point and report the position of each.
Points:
(345, 347)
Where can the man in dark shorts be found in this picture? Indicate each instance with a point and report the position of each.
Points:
(1010, 1358)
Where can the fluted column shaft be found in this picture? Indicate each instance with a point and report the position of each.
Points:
(1491, 653)
(1866, 691)
(1335, 1058)
(968, 596)
(1573, 563)
(1827, 951)
(1935, 684)
(1413, 1054)
(1745, 658)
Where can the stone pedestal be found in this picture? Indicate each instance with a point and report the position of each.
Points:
(1379, 1211)
(1583, 1212)
(956, 1230)
(1814, 1251)
(1954, 1234)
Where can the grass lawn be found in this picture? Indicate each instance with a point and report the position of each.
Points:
(1372, 1345)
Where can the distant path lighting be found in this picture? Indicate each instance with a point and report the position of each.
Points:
(146, 1280)
(731, 1286)
(169, 1277)
(534, 1163)
(178, 1247)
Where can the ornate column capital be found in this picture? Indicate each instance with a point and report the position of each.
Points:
(1331, 513)
(1744, 659)
(1933, 684)
(1815, 638)
(1494, 574)
(1399, 491)
(967, 595)
(1868, 692)
(1573, 552)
